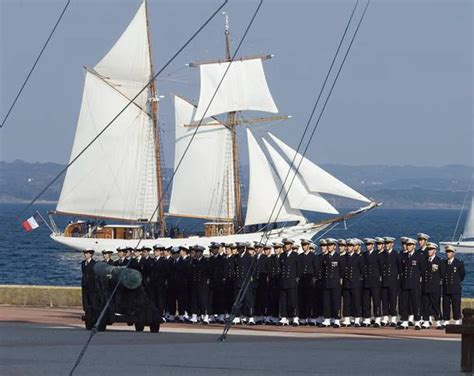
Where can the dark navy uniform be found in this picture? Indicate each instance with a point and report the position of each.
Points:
(351, 285)
(242, 264)
(391, 268)
(89, 287)
(412, 268)
(199, 286)
(216, 284)
(318, 285)
(306, 285)
(274, 285)
(262, 277)
(158, 281)
(454, 275)
(182, 269)
(431, 288)
(333, 269)
(229, 275)
(289, 275)
(372, 284)
(171, 286)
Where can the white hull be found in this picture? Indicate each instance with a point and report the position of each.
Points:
(461, 246)
(294, 232)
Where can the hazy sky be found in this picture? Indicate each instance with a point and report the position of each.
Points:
(405, 95)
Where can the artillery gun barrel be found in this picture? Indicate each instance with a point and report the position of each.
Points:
(129, 278)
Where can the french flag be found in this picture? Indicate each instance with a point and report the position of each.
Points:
(32, 223)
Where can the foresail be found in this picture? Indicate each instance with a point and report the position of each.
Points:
(244, 88)
(469, 226)
(203, 183)
(127, 65)
(317, 179)
(116, 176)
(264, 190)
(298, 196)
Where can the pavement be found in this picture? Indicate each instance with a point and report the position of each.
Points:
(42, 341)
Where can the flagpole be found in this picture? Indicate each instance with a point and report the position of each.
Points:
(45, 221)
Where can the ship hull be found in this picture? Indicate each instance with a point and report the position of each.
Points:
(461, 246)
(99, 244)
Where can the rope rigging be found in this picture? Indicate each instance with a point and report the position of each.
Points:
(53, 30)
(101, 316)
(265, 236)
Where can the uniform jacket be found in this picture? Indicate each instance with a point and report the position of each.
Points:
(88, 276)
(391, 268)
(229, 268)
(307, 264)
(333, 269)
(262, 268)
(216, 271)
(200, 272)
(372, 269)
(412, 270)
(433, 275)
(182, 268)
(242, 265)
(353, 271)
(160, 270)
(289, 270)
(454, 275)
(274, 267)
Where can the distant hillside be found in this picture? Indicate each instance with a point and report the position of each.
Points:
(395, 186)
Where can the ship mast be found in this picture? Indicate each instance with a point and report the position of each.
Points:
(232, 124)
(154, 114)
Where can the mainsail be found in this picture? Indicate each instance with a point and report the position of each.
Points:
(265, 202)
(244, 87)
(202, 185)
(116, 177)
(469, 226)
(317, 179)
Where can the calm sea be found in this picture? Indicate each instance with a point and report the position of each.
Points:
(34, 259)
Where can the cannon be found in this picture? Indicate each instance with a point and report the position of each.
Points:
(129, 304)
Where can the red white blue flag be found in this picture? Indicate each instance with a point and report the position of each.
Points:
(32, 223)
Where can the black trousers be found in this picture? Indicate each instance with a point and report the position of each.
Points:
(200, 299)
(248, 301)
(171, 299)
(371, 302)
(89, 299)
(274, 298)
(431, 305)
(332, 302)
(410, 303)
(216, 300)
(182, 297)
(305, 296)
(289, 302)
(261, 298)
(160, 298)
(228, 296)
(352, 302)
(318, 310)
(389, 301)
(452, 301)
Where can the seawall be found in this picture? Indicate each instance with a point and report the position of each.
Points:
(63, 296)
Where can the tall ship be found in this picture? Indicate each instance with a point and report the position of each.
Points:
(114, 191)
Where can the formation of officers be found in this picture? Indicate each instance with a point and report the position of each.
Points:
(346, 282)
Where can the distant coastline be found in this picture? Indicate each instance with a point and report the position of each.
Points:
(397, 187)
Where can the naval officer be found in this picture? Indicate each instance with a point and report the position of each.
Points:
(351, 285)
(412, 264)
(289, 277)
(452, 288)
(305, 284)
(371, 285)
(431, 287)
(199, 286)
(391, 267)
(333, 268)
(89, 286)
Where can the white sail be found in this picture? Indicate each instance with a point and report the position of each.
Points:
(264, 189)
(298, 196)
(203, 184)
(116, 176)
(244, 88)
(127, 65)
(469, 226)
(317, 179)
